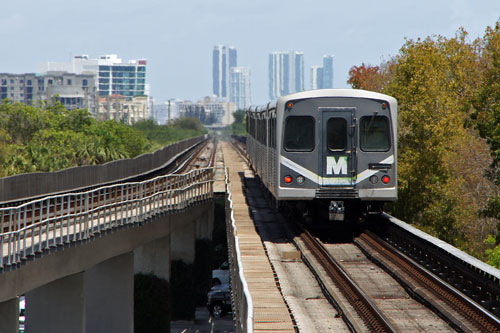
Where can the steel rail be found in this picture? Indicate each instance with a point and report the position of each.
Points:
(478, 317)
(190, 158)
(373, 318)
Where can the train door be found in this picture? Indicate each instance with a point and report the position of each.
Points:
(338, 146)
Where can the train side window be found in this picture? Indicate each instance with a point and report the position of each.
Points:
(374, 133)
(299, 133)
(336, 129)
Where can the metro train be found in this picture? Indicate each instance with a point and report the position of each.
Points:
(328, 153)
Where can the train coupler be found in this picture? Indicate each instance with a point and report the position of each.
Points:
(336, 211)
(374, 208)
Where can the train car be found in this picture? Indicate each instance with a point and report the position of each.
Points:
(327, 152)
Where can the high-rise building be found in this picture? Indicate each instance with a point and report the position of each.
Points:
(316, 77)
(223, 59)
(322, 76)
(240, 87)
(286, 73)
(327, 71)
(116, 77)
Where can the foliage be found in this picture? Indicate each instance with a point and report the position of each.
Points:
(486, 118)
(432, 80)
(368, 77)
(161, 135)
(442, 160)
(50, 138)
(238, 127)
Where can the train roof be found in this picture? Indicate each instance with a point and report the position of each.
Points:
(356, 93)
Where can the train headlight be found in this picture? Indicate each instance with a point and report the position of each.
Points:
(288, 179)
(386, 179)
(374, 179)
(301, 180)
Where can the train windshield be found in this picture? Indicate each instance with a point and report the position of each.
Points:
(299, 133)
(374, 133)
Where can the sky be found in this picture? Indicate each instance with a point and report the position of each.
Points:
(177, 37)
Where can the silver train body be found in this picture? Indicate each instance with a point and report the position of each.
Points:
(331, 151)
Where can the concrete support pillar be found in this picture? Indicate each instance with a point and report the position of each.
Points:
(183, 241)
(9, 316)
(109, 291)
(154, 258)
(205, 224)
(152, 289)
(57, 307)
(203, 255)
(182, 277)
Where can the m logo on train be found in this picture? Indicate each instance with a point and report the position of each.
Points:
(334, 167)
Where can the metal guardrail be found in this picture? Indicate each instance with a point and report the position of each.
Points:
(242, 300)
(38, 226)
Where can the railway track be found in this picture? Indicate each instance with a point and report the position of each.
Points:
(369, 313)
(459, 311)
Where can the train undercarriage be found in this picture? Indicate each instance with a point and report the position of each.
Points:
(333, 209)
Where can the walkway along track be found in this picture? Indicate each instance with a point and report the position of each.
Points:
(259, 305)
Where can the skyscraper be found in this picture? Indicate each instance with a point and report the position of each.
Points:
(316, 77)
(322, 77)
(223, 58)
(286, 73)
(240, 87)
(327, 71)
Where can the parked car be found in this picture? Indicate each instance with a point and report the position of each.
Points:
(219, 300)
(22, 306)
(221, 275)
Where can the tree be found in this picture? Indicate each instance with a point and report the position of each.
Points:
(441, 157)
(486, 115)
(239, 116)
(433, 80)
(368, 77)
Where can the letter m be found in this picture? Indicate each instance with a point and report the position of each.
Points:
(336, 167)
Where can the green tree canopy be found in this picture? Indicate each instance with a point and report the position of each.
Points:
(442, 160)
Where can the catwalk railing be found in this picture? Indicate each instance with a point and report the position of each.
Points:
(42, 225)
(241, 299)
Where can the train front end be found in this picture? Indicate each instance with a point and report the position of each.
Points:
(338, 152)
